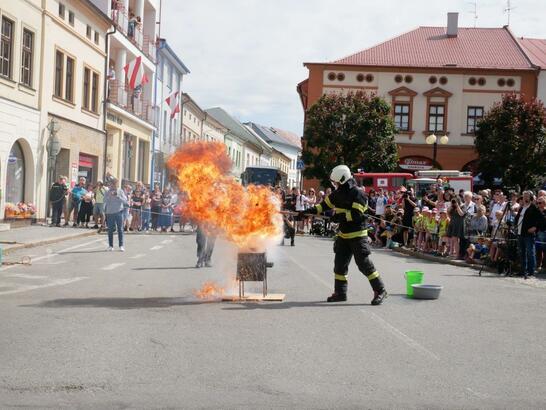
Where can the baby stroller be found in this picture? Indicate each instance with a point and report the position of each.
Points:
(318, 227)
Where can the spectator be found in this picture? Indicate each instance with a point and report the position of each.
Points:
(127, 210)
(75, 200)
(478, 222)
(529, 220)
(146, 211)
(300, 204)
(289, 226)
(455, 230)
(155, 203)
(132, 25)
(166, 210)
(57, 195)
(541, 234)
(98, 208)
(86, 208)
(115, 203)
(443, 240)
(137, 199)
(408, 204)
(497, 204)
(380, 203)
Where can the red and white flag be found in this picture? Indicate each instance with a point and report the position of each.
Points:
(134, 72)
(172, 102)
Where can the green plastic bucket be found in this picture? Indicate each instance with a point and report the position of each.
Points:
(413, 277)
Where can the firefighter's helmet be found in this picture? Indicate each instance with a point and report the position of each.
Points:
(340, 174)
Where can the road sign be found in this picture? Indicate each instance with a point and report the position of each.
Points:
(300, 164)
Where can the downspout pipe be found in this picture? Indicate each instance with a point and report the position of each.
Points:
(159, 46)
(105, 97)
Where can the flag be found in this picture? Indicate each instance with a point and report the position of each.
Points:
(134, 73)
(172, 102)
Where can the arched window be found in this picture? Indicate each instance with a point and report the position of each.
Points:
(15, 177)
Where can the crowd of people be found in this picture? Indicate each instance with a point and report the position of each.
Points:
(503, 229)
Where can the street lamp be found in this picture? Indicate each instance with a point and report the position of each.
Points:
(53, 148)
(433, 139)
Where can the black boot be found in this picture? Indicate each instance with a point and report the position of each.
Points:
(340, 292)
(337, 297)
(379, 297)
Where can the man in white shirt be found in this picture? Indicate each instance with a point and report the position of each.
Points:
(498, 204)
(300, 204)
(380, 203)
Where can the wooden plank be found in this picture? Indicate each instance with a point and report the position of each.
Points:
(255, 297)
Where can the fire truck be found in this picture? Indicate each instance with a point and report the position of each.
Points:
(388, 181)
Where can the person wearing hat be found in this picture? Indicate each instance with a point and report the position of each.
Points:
(352, 240)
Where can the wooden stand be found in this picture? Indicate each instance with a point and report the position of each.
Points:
(255, 297)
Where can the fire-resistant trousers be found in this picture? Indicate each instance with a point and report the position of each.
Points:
(344, 250)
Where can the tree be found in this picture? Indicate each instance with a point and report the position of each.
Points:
(355, 129)
(511, 142)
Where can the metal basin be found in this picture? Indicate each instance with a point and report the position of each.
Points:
(426, 291)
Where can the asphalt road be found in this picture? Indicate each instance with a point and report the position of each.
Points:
(83, 328)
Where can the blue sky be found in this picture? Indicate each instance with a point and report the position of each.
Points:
(246, 55)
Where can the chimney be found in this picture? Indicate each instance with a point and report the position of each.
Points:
(452, 24)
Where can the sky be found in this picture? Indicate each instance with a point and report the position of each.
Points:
(247, 55)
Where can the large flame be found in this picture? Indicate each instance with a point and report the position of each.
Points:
(245, 216)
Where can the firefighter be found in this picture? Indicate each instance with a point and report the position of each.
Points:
(350, 207)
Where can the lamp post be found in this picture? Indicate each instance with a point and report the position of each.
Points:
(53, 148)
(432, 139)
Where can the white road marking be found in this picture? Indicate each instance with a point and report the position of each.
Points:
(137, 256)
(113, 266)
(156, 248)
(382, 322)
(25, 276)
(59, 282)
(166, 241)
(402, 336)
(479, 395)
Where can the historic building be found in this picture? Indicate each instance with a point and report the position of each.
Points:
(170, 72)
(439, 80)
(20, 62)
(72, 73)
(131, 117)
(287, 143)
(535, 49)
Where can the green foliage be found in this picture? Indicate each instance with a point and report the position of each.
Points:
(355, 129)
(511, 142)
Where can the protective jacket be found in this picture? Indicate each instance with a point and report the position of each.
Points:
(350, 206)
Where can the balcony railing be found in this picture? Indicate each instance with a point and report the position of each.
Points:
(133, 30)
(131, 101)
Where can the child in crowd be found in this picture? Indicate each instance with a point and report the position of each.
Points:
(476, 251)
(415, 221)
(431, 227)
(420, 229)
(443, 240)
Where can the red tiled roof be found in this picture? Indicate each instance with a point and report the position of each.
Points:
(493, 48)
(535, 48)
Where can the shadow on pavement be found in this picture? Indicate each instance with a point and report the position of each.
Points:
(167, 268)
(119, 303)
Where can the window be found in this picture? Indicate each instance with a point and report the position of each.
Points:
(15, 176)
(436, 118)
(95, 93)
(170, 76)
(86, 87)
(88, 32)
(6, 47)
(61, 10)
(26, 58)
(474, 114)
(401, 116)
(96, 37)
(59, 68)
(69, 83)
(71, 18)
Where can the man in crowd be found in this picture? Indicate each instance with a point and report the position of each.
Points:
(57, 196)
(528, 222)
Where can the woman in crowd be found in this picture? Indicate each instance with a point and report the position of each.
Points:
(146, 210)
(455, 229)
(166, 210)
(155, 203)
(478, 222)
(541, 235)
(311, 201)
(86, 208)
(137, 199)
(127, 207)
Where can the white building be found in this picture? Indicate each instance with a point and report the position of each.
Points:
(192, 120)
(20, 63)
(71, 92)
(535, 49)
(131, 115)
(170, 73)
(285, 142)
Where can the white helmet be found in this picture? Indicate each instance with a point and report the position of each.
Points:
(340, 174)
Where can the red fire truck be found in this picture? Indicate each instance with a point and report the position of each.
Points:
(389, 181)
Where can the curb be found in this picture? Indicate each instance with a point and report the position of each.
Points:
(444, 261)
(14, 248)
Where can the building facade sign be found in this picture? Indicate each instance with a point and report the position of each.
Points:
(415, 163)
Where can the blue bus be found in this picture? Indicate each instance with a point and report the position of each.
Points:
(264, 175)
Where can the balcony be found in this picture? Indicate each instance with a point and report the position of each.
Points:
(132, 29)
(131, 101)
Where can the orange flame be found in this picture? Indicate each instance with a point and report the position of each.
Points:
(209, 291)
(245, 216)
